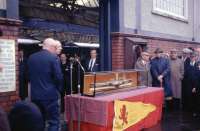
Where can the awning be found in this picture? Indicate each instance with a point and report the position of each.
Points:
(56, 26)
(28, 41)
(137, 40)
(82, 45)
(71, 44)
(87, 45)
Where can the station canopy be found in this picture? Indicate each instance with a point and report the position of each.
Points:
(65, 3)
(72, 20)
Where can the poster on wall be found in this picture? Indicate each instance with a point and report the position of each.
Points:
(7, 61)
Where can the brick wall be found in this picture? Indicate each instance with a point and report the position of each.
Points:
(9, 29)
(167, 45)
(117, 52)
(118, 41)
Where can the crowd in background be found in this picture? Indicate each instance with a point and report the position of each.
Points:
(178, 72)
(48, 72)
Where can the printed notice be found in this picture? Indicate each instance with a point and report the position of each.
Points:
(7, 59)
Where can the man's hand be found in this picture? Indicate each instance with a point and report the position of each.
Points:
(160, 78)
(194, 90)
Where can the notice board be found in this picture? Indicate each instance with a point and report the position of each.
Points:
(7, 59)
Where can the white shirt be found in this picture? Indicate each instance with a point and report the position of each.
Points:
(91, 63)
(192, 63)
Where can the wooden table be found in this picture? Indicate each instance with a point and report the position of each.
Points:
(97, 113)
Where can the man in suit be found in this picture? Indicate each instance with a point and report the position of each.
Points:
(58, 47)
(143, 64)
(177, 72)
(187, 78)
(92, 65)
(46, 82)
(23, 82)
(189, 81)
(160, 71)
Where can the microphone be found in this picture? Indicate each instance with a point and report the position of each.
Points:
(77, 60)
(73, 60)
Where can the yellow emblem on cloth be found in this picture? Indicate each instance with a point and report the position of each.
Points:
(129, 113)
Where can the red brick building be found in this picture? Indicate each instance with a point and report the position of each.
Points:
(119, 41)
(9, 31)
(152, 24)
(124, 25)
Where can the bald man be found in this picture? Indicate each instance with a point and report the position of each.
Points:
(50, 45)
(46, 82)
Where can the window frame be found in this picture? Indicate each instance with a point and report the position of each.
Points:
(4, 3)
(169, 14)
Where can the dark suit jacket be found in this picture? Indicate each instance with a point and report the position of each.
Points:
(45, 76)
(186, 67)
(160, 66)
(95, 67)
(23, 80)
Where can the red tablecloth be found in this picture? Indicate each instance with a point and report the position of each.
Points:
(97, 113)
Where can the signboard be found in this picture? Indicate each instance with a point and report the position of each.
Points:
(7, 59)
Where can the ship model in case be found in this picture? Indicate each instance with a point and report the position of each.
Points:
(109, 82)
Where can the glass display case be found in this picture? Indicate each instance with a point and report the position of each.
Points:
(113, 81)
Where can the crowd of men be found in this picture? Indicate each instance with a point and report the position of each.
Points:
(49, 79)
(178, 72)
(48, 73)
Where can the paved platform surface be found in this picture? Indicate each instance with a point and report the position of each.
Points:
(172, 121)
(177, 121)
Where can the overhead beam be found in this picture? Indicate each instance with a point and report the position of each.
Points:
(83, 17)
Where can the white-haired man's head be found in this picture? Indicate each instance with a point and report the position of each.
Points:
(50, 45)
(58, 47)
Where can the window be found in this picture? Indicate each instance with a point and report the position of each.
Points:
(2, 4)
(173, 8)
(2, 8)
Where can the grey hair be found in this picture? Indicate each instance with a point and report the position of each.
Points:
(48, 42)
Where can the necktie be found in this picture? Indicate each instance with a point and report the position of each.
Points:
(92, 63)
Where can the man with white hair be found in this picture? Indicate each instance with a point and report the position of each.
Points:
(143, 63)
(46, 82)
(186, 54)
(58, 47)
(177, 72)
(50, 45)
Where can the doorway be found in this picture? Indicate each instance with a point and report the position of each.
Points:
(132, 51)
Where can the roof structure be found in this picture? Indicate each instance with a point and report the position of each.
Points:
(81, 12)
(72, 20)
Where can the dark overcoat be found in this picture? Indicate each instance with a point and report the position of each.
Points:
(161, 66)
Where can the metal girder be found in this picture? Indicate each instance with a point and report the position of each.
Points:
(38, 34)
(71, 11)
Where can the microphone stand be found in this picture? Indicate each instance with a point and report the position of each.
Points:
(95, 78)
(71, 92)
(71, 77)
(82, 68)
(79, 101)
(79, 92)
